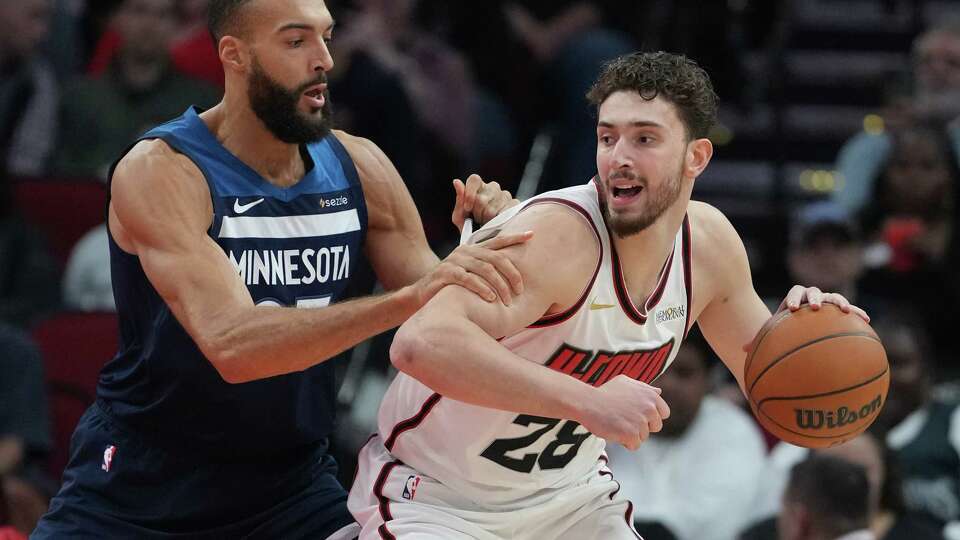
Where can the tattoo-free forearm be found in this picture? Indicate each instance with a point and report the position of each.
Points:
(456, 358)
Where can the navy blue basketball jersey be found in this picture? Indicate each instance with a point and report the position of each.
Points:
(295, 246)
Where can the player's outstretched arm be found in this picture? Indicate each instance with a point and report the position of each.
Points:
(734, 312)
(451, 344)
(161, 211)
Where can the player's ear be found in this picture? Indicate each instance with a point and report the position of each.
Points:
(233, 53)
(699, 152)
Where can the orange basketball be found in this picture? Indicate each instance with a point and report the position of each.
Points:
(817, 378)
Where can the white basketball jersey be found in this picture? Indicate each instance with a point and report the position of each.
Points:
(498, 456)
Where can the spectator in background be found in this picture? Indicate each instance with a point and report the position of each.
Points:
(889, 519)
(193, 51)
(7, 531)
(913, 209)
(935, 99)
(540, 57)
(371, 102)
(571, 41)
(28, 273)
(462, 128)
(696, 478)
(827, 250)
(826, 499)
(913, 222)
(28, 88)
(920, 426)
(24, 430)
(101, 116)
(86, 281)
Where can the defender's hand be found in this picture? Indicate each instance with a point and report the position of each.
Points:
(479, 267)
(626, 411)
(479, 200)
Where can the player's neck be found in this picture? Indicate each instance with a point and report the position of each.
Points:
(239, 130)
(642, 255)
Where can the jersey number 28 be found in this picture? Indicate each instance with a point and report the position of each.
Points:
(550, 458)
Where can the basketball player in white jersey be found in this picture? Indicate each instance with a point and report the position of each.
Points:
(495, 428)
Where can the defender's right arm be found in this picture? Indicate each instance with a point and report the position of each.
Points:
(160, 211)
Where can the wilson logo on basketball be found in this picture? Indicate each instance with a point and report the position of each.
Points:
(818, 419)
(598, 367)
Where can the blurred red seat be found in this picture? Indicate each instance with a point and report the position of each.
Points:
(62, 209)
(74, 346)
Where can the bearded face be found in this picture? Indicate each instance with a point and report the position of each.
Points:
(631, 203)
(642, 148)
(297, 115)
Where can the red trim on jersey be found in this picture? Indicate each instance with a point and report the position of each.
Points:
(412, 422)
(628, 515)
(557, 318)
(687, 250)
(623, 295)
(612, 479)
(356, 470)
(384, 502)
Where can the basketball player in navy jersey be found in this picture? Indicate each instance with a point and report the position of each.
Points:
(212, 420)
(500, 412)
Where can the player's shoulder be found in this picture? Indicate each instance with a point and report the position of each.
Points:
(557, 228)
(154, 159)
(152, 172)
(711, 230)
(371, 162)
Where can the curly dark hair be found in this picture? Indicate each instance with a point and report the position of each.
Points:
(675, 77)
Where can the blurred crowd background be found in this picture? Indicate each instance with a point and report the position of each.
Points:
(837, 157)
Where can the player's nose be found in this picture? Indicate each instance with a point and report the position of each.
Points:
(621, 155)
(322, 61)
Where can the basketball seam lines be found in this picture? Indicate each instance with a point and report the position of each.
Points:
(807, 344)
(770, 326)
(830, 393)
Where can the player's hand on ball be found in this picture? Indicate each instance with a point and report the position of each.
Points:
(800, 295)
(481, 268)
(480, 200)
(627, 412)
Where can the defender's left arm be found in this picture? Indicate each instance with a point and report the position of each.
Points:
(733, 312)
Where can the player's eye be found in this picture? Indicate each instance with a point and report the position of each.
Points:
(295, 43)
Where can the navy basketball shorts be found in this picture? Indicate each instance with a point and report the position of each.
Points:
(117, 485)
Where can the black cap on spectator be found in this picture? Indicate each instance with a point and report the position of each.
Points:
(823, 219)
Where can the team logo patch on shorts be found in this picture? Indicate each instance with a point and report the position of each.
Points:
(410, 488)
(108, 453)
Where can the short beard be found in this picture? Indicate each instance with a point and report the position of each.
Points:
(624, 226)
(276, 107)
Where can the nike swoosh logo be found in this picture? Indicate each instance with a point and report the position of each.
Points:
(595, 306)
(241, 208)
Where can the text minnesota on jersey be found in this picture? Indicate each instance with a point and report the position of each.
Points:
(292, 266)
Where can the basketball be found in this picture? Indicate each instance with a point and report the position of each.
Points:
(817, 378)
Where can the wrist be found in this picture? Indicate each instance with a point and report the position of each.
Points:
(576, 402)
(407, 300)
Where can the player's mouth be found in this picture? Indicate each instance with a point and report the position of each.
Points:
(314, 95)
(623, 193)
